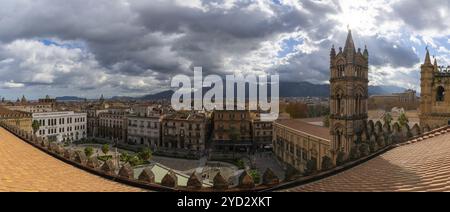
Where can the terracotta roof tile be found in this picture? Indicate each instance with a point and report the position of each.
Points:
(25, 168)
(297, 124)
(420, 166)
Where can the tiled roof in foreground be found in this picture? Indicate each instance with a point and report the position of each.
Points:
(418, 166)
(25, 168)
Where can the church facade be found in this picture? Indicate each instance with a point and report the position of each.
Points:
(435, 98)
(349, 69)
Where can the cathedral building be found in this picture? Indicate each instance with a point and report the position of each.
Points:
(349, 69)
(435, 100)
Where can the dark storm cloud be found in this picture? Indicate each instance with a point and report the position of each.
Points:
(424, 15)
(123, 40)
(388, 52)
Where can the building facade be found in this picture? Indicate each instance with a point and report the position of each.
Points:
(296, 142)
(184, 131)
(144, 130)
(93, 121)
(112, 126)
(435, 98)
(262, 133)
(31, 107)
(406, 100)
(348, 96)
(65, 126)
(232, 130)
(19, 119)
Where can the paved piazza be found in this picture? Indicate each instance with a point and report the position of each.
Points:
(420, 166)
(25, 168)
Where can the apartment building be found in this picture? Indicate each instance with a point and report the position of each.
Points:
(144, 130)
(112, 125)
(61, 126)
(232, 130)
(262, 133)
(93, 120)
(184, 131)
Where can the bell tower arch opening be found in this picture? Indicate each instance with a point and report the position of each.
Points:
(440, 94)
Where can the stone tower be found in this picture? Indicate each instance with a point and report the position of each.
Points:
(348, 95)
(434, 100)
(426, 81)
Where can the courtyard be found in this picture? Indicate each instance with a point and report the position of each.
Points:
(183, 168)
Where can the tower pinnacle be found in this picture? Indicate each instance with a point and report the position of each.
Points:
(427, 57)
(349, 44)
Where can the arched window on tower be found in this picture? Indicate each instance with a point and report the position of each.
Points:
(440, 95)
(358, 102)
(339, 138)
(339, 103)
(341, 68)
(341, 72)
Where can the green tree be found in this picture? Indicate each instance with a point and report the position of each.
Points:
(88, 151)
(255, 175)
(297, 110)
(387, 118)
(403, 120)
(35, 125)
(240, 164)
(105, 149)
(135, 161)
(124, 157)
(145, 154)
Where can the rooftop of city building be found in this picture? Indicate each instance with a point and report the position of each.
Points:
(302, 126)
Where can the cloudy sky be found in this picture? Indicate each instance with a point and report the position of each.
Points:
(133, 47)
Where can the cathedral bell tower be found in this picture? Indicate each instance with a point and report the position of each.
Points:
(427, 71)
(348, 95)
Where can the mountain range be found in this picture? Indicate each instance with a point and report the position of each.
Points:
(287, 89)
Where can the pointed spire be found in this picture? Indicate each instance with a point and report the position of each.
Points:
(332, 52)
(435, 64)
(427, 57)
(349, 44)
(366, 52)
